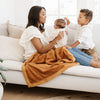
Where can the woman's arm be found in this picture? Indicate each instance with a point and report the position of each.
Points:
(39, 46)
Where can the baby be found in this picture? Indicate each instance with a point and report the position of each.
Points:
(83, 38)
(59, 25)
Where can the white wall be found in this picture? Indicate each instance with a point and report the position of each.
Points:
(22, 8)
(21, 11)
(6, 10)
(16, 11)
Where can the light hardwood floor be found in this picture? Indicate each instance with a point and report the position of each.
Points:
(20, 92)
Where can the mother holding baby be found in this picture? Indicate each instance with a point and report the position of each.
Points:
(33, 39)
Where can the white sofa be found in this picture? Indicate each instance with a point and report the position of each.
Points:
(80, 78)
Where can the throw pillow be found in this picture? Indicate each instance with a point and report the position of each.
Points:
(3, 29)
(15, 31)
(10, 49)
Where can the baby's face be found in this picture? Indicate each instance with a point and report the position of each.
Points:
(55, 26)
(82, 20)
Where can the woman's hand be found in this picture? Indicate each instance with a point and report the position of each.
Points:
(67, 20)
(68, 46)
(54, 47)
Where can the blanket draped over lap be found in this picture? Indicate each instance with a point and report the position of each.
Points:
(41, 68)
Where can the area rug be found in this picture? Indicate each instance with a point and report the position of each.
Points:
(59, 98)
(76, 97)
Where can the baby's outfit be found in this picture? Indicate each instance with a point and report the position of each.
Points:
(54, 34)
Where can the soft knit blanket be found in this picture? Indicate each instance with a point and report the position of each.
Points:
(41, 68)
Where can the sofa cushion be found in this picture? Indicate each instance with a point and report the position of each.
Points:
(10, 49)
(3, 29)
(96, 36)
(78, 70)
(86, 71)
(15, 31)
(12, 65)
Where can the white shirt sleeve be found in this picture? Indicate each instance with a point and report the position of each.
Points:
(28, 34)
(72, 26)
(33, 32)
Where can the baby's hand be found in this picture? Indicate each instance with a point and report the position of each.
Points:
(68, 22)
(66, 32)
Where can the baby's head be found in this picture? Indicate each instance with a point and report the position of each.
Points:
(59, 23)
(85, 16)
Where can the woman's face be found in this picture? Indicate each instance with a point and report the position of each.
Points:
(42, 16)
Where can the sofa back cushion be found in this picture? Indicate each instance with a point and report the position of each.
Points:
(10, 49)
(96, 36)
(15, 31)
(3, 29)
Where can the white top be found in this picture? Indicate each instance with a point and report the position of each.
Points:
(26, 38)
(54, 34)
(84, 36)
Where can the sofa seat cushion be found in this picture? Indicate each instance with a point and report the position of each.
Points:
(10, 49)
(77, 70)
(80, 70)
(12, 65)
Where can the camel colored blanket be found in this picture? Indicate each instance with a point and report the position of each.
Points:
(41, 68)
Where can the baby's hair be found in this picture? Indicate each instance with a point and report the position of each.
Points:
(60, 23)
(88, 13)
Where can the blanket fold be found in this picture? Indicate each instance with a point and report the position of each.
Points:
(41, 68)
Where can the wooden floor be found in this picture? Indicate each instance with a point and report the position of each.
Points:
(20, 92)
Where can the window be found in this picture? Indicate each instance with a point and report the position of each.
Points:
(59, 9)
(69, 8)
(95, 7)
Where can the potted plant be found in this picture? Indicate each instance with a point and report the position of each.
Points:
(3, 77)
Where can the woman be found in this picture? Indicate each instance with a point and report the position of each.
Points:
(33, 39)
